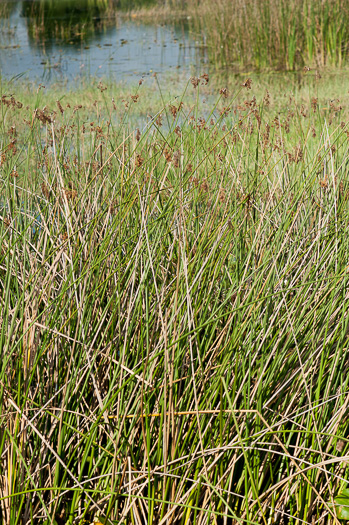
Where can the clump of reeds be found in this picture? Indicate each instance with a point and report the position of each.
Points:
(282, 34)
(174, 312)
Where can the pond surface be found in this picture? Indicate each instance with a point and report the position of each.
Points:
(61, 40)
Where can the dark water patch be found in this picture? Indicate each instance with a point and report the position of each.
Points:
(64, 40)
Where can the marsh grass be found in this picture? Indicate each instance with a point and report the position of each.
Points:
(174, 309)
(278, 34)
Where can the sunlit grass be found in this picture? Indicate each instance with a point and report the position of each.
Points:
(174, 298)
(278, 34)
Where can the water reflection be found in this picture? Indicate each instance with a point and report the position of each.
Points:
(55, 40)
(67, 21)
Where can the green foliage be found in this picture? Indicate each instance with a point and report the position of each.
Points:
(174, 309)
(342, 504)
(279, 34)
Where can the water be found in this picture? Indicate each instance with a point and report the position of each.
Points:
(46, 43)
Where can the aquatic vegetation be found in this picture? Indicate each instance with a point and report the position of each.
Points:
(174, 307)
(281, 34)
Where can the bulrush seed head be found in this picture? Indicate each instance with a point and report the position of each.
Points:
(70, 194)
(247, 84)
(101, 87)
(173, 111)
(205, 79)
(176, 158)
(139, 160)
(43, 116)
(195, 82)
(314, 104)
(224, 92)
(59, 105)
(167, 155)
(45, 190)
(266, 99)
(221, 195)
(204, 186)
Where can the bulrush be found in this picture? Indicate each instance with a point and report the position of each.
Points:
(176, 158)
(174, 303)
(60, 107)
(224, 92)
(247, 84)
(139, 160)
(195, 82)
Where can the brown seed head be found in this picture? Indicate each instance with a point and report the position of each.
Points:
(334, 106)
(43, 116)
(176, 158)
(225, 111)
(101, 87)
(173, 111)
(251, 103)
(70, 194)
(205, 79)
(167, 155)
(247, 84)
(159, 121)
(139, 160)
(204, 186)
(59, 105)
(221, 195)
(201, 123)
(12, 132)
(266, 99)
(194, 81)
(45, 190)
(303, 111)
(224, 92)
